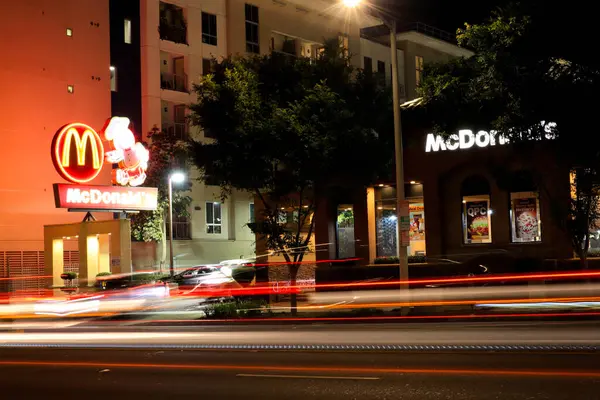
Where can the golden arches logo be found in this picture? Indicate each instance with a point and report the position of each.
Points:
(82, 137)
(80, 145)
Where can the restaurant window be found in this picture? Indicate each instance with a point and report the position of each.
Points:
(476, 210)
(345, 231)
(386, 220)
(525, 217)
(213, 217)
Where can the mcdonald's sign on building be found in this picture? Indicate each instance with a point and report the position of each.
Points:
(78, 153)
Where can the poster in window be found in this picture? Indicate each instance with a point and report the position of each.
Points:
(417, 223)
(478, 225)
(526, 219)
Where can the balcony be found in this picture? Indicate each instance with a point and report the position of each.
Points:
(172, 23)
(170, 81)
(283, 44)
(173, 33)
(179, 129)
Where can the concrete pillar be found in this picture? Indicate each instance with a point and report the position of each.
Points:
(361, 226)
(83, 253)
(325, 239)
(103, 253)
(124, 246)
(434, 220)
(93, 249)
(372, 224)
(57, 262)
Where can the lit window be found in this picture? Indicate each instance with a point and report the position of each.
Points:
(127, 31)
(71, 89)
(418, 69)
(477, 219)
(113, 79)
(525, 219)
(69, 32)
(209, 29)
(343, 42)
(252, 41)
(213, 217)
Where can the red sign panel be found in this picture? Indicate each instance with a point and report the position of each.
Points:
(108, 198)
(77, 153)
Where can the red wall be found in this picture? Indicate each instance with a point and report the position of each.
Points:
(39, 61)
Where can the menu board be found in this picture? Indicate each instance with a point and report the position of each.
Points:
(417, 223)
(526, 219)
(478, 224)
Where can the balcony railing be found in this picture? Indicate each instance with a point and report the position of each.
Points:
(173, 33)
(171, 81)
(179, 129)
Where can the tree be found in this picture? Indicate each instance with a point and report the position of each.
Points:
(286, 128)
(167, 152)
(527, 83)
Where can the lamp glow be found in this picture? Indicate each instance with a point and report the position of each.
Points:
(177, 177)
(351, 3)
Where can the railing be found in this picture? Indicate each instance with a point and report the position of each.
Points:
(173, 33)
(428, 30)
(171, 81)
(179, 129)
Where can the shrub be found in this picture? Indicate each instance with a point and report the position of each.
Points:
(241, 309)
(69, 275)
(103, 274)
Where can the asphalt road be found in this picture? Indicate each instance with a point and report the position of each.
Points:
(141, 374)
(512, 334)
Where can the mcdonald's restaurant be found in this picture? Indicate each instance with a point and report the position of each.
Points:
(471, 194)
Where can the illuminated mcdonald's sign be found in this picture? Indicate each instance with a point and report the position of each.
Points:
(77, 153)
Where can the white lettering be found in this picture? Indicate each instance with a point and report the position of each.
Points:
(467, 139)
(453, 142)
(434, 143)
(106, 196)
(95, 196)
(482, 139)
(73, 195)
(85, 197)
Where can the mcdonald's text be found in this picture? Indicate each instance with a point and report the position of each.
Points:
(107, 198)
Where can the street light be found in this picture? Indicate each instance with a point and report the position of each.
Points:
(402, 253)
(177, 177)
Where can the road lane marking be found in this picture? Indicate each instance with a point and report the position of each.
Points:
(356, 378)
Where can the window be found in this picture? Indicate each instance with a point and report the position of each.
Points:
(477, 212)
(368, 65)
(477, 219)
(525, 217)
(345, 231)
(213, 217)
(343, 41)
(206, 66)
(418, 69)
(71, 89)
(69, 32)
(381, 68)
(252, 39)
(127, 31)
(113, 79)
(251, 219)
(209, 29)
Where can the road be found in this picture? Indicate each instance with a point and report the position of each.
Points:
(157, 374)
(408, 336)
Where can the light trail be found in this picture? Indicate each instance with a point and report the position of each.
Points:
(313, 369)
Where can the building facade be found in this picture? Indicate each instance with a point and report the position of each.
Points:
(58, 74)
(178, 41)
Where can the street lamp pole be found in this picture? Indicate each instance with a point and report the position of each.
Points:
(171, 267)
(400, 196)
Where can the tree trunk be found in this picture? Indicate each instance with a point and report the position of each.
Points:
(293, 270)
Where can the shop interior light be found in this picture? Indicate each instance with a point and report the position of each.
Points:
(413, 182)
(490, 212)
(393, 217)
(381, 185)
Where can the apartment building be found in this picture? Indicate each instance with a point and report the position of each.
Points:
(58, 73)
(177, 41)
